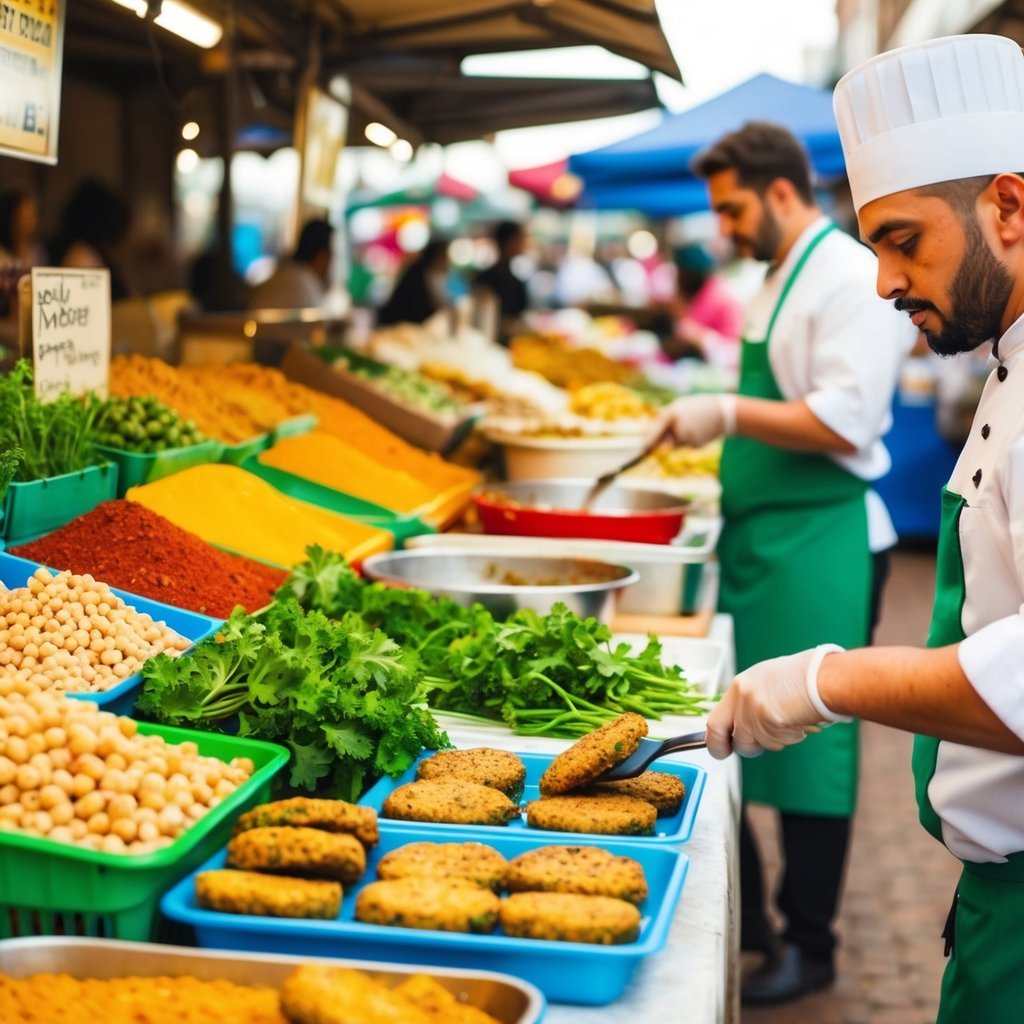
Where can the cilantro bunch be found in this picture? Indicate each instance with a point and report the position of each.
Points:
(343, 697)
(551, 675)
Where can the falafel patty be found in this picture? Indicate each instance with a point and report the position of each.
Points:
(603, 815)
(449, 800)
(307, 812)
(472, 863)
(430, 903)
(666, 792)
(321, 994)
(298, 851)
(499, 769)
(248, 892)
(593, 754)
(585, 870)
(430, 996)
(569, 917)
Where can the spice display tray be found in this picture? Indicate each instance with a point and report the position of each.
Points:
(569, 972)
(400, 526)
(509, 1000)
(236, 454)
(676, 828)
(437, 432)
(293, 426)
(39, 506)
(135, 468)
(120, 699)
(53, 888)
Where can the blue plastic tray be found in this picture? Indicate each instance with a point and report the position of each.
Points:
(15, 572)
(674, 829)
(567, 972)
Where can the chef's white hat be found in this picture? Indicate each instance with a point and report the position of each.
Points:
(945, 109)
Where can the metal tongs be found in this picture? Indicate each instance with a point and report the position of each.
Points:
(651, 750)
(602, 483)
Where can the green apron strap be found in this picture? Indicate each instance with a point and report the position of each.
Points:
(946, 628)
(793, 275)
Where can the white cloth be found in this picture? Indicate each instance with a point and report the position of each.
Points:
(294, 285)
(839, 347)
(978, 793)
(936, 111)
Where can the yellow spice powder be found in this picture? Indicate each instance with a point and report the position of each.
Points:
(226, 505)
(330, 461)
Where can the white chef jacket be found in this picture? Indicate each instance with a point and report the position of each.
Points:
(979, 794)
(839, 347)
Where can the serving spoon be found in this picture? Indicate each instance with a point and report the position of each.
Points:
(651, 750)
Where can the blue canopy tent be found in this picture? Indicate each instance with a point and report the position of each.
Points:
(650, 171)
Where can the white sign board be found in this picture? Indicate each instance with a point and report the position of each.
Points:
(31, 54)
(70, 331)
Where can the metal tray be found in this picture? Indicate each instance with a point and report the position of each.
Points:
(569, 972)
(676, 828)
(508, 999)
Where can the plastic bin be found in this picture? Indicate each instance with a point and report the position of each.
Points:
(39, 506)
(570, 972)
(676, 828)
(14, 572)
(236, 454)
(399, 525)
(292, 427)
(135, 469)
(52, 888)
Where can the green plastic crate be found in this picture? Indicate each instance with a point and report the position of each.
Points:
(135, 468)
(293, 427)
(236, 454)
(39, 506)
(401, 527)
(52, 888)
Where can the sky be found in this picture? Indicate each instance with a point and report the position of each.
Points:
(717, 44)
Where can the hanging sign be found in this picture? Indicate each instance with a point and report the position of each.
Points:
(69, 320)
(31, 57)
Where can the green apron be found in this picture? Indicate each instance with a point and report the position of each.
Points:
(983, 982)
(796, 572)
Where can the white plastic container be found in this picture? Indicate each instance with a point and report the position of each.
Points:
(530, 458)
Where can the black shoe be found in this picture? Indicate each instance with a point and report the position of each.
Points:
(788, 975)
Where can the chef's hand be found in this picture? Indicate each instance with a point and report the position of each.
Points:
(771, 705)
(694, 420)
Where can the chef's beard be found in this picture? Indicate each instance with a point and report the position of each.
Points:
(765, 244)
(978, 297)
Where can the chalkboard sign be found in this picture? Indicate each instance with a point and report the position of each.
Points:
(31, 55)
(69, 319)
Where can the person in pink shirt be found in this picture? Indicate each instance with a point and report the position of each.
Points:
(708, 317)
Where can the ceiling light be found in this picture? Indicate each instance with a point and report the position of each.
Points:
(189, 130)
(401, 150)
(380, 134)
(187, 161)
(179, 18)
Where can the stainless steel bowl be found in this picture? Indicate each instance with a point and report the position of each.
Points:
(570, 493)
(472, 577)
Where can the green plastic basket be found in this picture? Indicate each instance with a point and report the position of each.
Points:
(401, 527)
(293, 427)
(236, 454)
(52, 888)
(135, 468)
(39, 506)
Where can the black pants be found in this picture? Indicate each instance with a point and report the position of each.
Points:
(814, 858)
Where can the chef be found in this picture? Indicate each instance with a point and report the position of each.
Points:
(934, 143)
(804, 548)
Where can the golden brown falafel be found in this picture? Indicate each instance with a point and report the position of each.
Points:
(586, 870)
(430, 903)
(248, 892)
(307, 812)
(666, 792)
(569, 917)
(593, 754)
(298, 851)
(486, 766)
(449, 800)
(603, 815)
(472, 863)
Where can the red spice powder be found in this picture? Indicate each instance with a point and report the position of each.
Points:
(129, 547)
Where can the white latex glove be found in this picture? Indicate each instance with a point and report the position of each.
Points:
(694, 420)
(771, 705)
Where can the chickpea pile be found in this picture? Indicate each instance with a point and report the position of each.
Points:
(608, 401)
(73, 773)
(69, 632)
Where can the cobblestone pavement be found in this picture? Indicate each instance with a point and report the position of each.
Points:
(899, 881)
